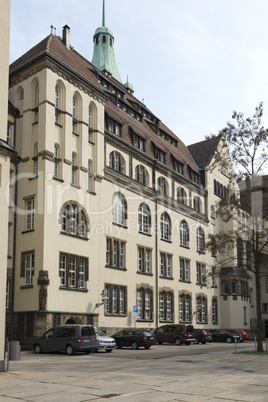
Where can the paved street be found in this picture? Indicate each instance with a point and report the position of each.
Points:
(211, 372)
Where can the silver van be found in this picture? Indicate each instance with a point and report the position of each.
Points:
(68, 339)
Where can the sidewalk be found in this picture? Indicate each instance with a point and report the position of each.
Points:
(138, 376)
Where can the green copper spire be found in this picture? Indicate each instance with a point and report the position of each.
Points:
(103, 54)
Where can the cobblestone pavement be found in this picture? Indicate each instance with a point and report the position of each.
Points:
(164, 373)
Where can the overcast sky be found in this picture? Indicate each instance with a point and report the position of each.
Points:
(192, 61)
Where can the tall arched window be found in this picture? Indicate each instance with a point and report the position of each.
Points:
(74, 220)
(197, 204)
(184, 234)
(144, 219)
(92, 121)
(57, 162)
(162, 186)
(141, 175)
(74, 169)
(165, 225)
(57, 104)
(119, 209)
(181, 196)
(117, 162)
(200, 239)
(90, 177)
(35, 95)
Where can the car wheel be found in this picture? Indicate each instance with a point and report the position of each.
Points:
(229, 340)
(108, 350)
(147, 347)
(187, 343)
(69, 350)
(196, 342)
(37, 349)
(134, 345)
(203, 342)
(160, 343)
(177, 341)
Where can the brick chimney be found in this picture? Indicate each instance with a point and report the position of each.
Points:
(66, 36)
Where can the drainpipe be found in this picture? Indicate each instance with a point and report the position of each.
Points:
(14, 246)
(156, 263)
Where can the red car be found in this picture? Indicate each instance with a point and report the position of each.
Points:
(241, 332)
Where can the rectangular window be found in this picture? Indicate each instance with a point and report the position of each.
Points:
(73, 271)
(200, 274)
(114, 127)
(29, 218)
(165, 306)
(115, 299)
(115, 253)
(165, 265)
(265, 308)
(144, 259)
(178, 166)
(185, 307)
(160, 155)
(138, 142)
(144, 304)
(184, 270)
(201, 310)
(27, 267)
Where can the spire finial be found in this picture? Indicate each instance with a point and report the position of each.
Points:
(103, 14)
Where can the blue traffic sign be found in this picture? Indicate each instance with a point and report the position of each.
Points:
(135, 309)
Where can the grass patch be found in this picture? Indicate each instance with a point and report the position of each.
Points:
(252, 352)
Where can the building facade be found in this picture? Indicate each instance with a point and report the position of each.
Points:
(111, 209)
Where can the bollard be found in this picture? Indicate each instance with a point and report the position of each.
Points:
(14, 350)
(235, 348)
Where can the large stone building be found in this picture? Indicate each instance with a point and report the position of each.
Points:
(109, 209)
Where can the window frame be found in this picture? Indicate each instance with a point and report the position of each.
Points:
(115, 300)
(71, 276)
(115, 253)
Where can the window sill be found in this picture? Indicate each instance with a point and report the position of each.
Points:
(58, 179)
(91, 192)
(34, 123)
(118, 224)
(145, 273)
(58, 125)
(201, 284)
(73, 289)
(201, 252)
(34, 177)
(184, 281)
(27, 231)
(167, 321)
(188, 248)
(75, 186)
(145, 320)
(167, 241)
(118, 268)
(76, 134)
(166, 277)
(107, 314)
(26, 287)
(91, 142)
(145, 234)
(75, 236)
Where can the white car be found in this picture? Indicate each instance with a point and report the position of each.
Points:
(104, 342)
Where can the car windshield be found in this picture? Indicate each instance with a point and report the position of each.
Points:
(99, 332)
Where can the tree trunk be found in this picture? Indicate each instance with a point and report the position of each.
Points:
(258, 305)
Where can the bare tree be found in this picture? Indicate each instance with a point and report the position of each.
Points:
(244, 243)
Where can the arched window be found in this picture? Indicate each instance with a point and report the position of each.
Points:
(197, 204)
(117, 162)
(200, 239)
(73, 219)
(165, 226)
(76, 112)
(144, 219)
(74, 169)
(184, 234)
(162, 186)
(92, 118)
(57, 104)
(119, 209)
(141, 175)
(212, 212)
(181, 196)
(35, 100)
(57, 162)
(90, 177)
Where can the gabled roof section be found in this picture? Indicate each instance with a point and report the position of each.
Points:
(203, 151)
(53, 47)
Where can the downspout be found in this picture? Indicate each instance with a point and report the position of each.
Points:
(14, 246)
(156, 252)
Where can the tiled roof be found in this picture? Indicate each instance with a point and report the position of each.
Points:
(73, 61)
(203, 151)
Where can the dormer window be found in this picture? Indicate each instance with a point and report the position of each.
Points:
(194, 176)
(114, 127)
(138, 142)
(178, 166)
(160, 155)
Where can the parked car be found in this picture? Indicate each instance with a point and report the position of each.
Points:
(241, 333)
(134, 338)
(201, 335)
(67, 338)
(104, 342)
(175, 333)
(220, 335)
